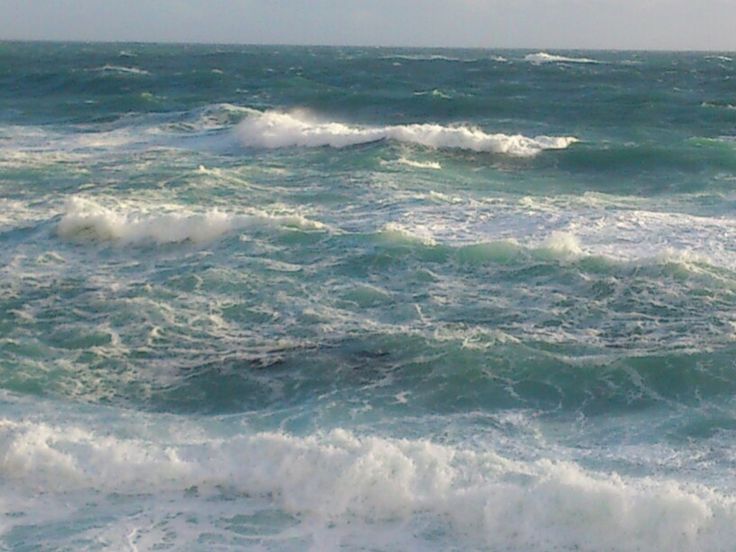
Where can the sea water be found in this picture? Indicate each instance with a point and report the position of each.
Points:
(284, 298)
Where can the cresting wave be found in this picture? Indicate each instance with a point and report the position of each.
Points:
(559, 247)
(419, 57)
(432, 165)
(84, 217)
(544, 57)
(340, 479)
(122, 70)
(275, 129)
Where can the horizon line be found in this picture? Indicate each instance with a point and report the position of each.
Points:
(323, 45)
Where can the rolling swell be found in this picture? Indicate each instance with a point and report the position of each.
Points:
(693, 156)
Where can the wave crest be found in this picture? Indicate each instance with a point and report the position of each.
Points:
(544, 57)
(122, 70)
(274, 129)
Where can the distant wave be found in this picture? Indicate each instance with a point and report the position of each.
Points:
(121, 69)
(717, 105)
(423, 57)
(719, 58)
(433, 165)
(544, 57)
(87, 218)
(436, 93)
(274, 129)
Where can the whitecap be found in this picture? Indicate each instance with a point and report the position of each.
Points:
(719, 58)
(121, 69)
(435, 93)
(716, 105)
(544, 57)
(423, 57)
(431, 165)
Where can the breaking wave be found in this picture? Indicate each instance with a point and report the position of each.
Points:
(431, 165)
(274, 129)
(544, 57)
(86, 218)
(122, 70)
(340, 479)
(420, 57)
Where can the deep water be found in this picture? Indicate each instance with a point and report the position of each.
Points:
(287, 298)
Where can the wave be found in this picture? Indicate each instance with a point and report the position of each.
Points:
(275, 129)
(86, 218)
(394, 232)
(430, 165)
(122, 70)
(423, 57)
(682, 259)
(544, 57)
(206, 127)
(435, 93)
(694, 155)
(341, 480)
(718, 105)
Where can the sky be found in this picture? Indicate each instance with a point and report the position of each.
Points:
(548, 24)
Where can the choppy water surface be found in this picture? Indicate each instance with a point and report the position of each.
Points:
(281, 298)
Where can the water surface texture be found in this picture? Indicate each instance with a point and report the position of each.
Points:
(281, 298)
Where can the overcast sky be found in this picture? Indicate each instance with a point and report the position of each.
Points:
(619, 24)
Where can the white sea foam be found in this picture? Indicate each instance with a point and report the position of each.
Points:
(342, 480)
(166, 224)
(544, 57)
(274, 129)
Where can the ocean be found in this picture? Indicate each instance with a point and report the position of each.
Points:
(308, 298)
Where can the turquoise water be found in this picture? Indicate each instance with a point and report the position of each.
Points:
(281, 298)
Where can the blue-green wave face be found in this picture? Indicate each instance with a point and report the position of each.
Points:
(284, 298)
